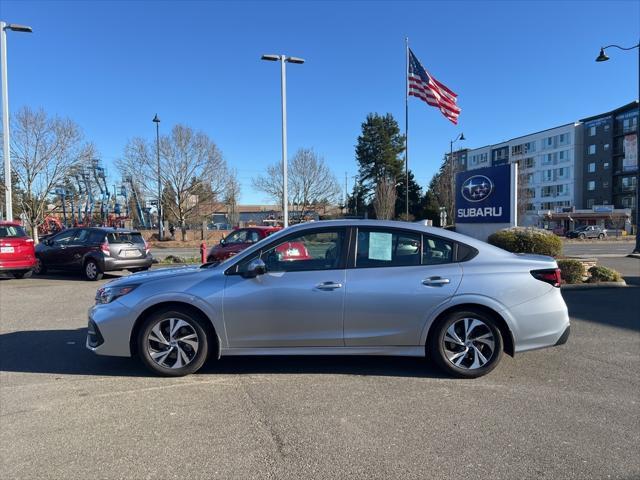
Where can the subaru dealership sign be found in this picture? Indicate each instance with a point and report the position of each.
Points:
(484, 195)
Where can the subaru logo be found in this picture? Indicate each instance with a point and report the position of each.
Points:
(477, 188)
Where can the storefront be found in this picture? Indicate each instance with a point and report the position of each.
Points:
(616, 220)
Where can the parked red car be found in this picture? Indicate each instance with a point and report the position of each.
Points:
(237, 241)
(242, 238)
(17, 254)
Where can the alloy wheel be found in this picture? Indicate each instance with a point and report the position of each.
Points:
(172, 343)
(469, 343)
(91, 270)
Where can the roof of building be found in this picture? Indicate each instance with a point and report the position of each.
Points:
(628, 106)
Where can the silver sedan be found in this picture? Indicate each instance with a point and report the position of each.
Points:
(344, 287)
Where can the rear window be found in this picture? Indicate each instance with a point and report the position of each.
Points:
(12, 231)
(122, 237)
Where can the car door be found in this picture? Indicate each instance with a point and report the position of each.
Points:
(55, 253)
(77, 247)
(299, 301)
(395, 279)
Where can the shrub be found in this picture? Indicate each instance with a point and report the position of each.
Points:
(572, 271)
(603, 274)
(527, 240)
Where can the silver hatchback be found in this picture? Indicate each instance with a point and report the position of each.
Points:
(344, 287)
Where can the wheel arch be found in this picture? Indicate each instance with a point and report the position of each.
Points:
(182, 306)
(507, 335)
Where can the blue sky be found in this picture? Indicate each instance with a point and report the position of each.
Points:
(518, 67)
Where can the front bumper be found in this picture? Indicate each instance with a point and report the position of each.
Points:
(112, 264)
(109, 330)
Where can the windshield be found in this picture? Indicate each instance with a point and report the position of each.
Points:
(12, 231)
(122, 237)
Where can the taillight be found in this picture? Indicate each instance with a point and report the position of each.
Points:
(28, 240)
(105, 248)
(551, 276)
(146, 246)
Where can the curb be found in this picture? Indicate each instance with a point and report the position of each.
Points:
(588, 286)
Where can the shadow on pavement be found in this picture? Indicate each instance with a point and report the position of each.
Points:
(63, 352)
(616, 307)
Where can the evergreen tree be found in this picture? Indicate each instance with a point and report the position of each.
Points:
(415, 198)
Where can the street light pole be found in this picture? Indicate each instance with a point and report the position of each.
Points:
(603, 58)
(451, 165)
(156, 120)
(283, 93)
(6, 152)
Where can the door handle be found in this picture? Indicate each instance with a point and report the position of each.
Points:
(435, 281)
(328, 286)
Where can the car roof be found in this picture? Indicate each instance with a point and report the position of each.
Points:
(6, 223)
(259, 227)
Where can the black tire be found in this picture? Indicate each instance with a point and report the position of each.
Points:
(195, 325)
(21, 273)
(601, 236)
(436, 345)
(40, 268)
(582, 236)
(141, 269)
(91, 271)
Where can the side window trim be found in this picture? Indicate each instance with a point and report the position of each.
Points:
(233, 269)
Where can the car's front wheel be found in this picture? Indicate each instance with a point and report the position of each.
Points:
(601, 236)
(173, 343)
(466, 344)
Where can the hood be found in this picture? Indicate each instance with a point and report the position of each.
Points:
(151, 275)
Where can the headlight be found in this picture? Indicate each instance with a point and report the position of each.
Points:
(109, 294)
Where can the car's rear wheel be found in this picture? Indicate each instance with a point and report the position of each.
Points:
(466, 344)
(173, 343)
(582, 236)
(601, 236)
(22, 273)
(91, 271)
(40, 268)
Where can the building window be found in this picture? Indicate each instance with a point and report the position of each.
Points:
(591, 185)
(592, 131)
(606, 146)
(592, 167)
(605, 184)
(529, 178)
(606, 165)
(592, 149)
(590, 203)
(606, 127)
(547, 175)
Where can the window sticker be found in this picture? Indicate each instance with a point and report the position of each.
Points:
(380, 246)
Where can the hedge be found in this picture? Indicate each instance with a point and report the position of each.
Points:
(572, 271)
(527, 240)
(603, 274)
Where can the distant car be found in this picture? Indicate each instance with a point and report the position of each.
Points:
(93, 251)
(17, 255)
(237, 241)
(357, 287)
(588, 231)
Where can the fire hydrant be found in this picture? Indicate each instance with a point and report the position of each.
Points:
(203, 252)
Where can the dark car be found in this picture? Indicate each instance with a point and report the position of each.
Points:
(588, 231)
(16, 250)
(93, 251)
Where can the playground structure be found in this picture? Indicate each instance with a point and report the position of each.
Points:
(84, 199)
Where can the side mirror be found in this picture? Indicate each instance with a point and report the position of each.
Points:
(222, 241)
(256, 267)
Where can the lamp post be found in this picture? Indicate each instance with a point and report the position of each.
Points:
(283, 89)
(5, 113)
(461, 138)
(603, 58)
(156, 120)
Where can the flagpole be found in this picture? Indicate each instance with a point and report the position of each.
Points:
(406, 131)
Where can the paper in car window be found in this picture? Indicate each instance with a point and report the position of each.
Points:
(380, 246)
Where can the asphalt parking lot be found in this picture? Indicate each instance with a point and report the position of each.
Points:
(566, 412)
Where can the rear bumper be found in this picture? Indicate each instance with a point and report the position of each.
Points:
(22, 264)
(111, 264)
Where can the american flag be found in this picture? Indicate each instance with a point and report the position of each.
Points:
(427, 88)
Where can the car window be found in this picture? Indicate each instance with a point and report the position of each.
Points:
(81, 236)
(316, 250)
(64, 238)
(239, 236)
(252, 236)
(96, 236)
(124, 237)
(387, 248)
(436, 250)
(12, 231)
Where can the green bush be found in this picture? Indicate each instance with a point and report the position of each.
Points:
(603, 274)
(527, 240)
(572, 271)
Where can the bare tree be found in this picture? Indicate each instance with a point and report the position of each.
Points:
(43, 151)
(231, 197)
(443, 185)
(311, 182)
(384, 202)
(192, 171)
